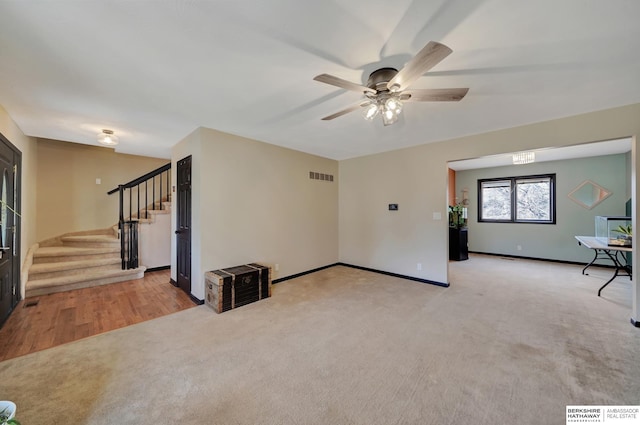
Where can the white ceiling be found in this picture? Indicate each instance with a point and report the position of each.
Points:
(153, 71)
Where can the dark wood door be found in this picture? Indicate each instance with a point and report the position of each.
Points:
(9, 228)
(183, 226)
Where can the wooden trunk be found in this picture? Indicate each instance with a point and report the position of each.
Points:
(233, 287)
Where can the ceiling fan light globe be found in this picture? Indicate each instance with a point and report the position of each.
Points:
(371, 112)
(391, 104)
(389, 117)
(389, 114)
(394, 105)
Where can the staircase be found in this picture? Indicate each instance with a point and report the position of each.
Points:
(75, 261)
(90, 258)
(148, 215)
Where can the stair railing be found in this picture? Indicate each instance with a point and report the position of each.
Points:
(155, 183)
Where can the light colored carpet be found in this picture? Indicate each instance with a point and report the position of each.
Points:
(510, 342)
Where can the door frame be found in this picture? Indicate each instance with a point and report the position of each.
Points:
(17, 226)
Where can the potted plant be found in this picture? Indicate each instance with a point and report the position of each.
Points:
(7, 413)
(457, 216)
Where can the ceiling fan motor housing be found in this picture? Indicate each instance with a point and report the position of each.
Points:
(379, 78)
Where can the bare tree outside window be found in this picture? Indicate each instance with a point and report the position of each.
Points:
(529, 199)
(533, 199)
(496, 200)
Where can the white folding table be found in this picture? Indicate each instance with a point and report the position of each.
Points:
(607, 252)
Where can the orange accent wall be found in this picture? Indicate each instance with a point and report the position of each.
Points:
(452, 187)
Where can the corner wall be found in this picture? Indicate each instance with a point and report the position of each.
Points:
(255, 202)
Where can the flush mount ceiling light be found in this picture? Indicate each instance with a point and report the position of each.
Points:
(524, 158)
(107, 138)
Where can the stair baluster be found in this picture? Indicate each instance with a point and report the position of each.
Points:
(128, 227)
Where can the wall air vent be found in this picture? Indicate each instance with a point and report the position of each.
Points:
(320, 176)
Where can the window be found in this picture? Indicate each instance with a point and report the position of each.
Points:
(527, 199)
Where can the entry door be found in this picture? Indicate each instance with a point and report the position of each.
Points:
(9, 229)
(183, 227)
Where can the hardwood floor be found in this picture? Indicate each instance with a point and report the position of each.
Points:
(69, 316)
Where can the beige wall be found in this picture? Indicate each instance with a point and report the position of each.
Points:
(68, 197)
(416, 178)
(155, 242)
(254, 202)
(27, 145)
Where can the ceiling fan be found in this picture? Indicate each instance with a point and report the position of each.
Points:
(387, 88)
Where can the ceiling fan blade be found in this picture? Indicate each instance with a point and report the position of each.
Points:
(427, 58)
(347, 110)
(434, 95)
(343, 84)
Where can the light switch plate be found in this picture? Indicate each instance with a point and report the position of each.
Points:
(437, 216)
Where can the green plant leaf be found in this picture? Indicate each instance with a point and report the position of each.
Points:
(625, 230)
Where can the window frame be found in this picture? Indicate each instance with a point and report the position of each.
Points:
(514, 201)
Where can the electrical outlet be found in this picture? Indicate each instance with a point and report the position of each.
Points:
(419, 266)
(519, 247)
(277, 267)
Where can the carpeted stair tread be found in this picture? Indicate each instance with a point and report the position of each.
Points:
(149, 216)
(159, 212)
(116, 271)
(90, 241)
(77, 281)
(55, 251)
(70, 265)
(91, 238)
